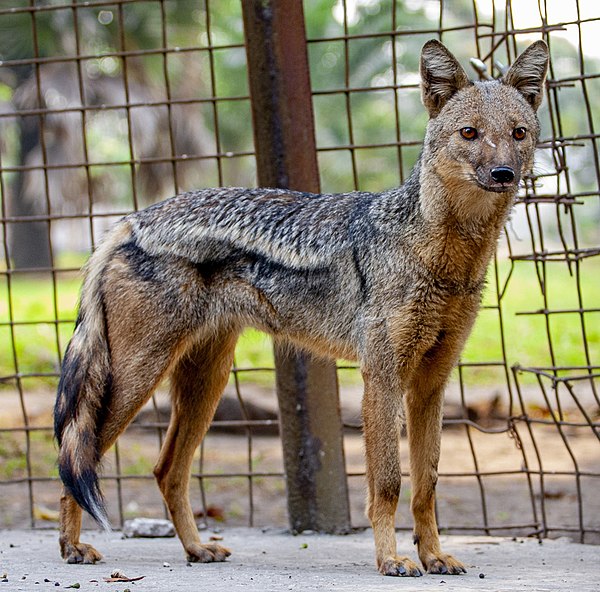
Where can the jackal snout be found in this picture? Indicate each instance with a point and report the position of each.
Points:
(500, 157)
(500, 153)
(503, 174)
(498, 177)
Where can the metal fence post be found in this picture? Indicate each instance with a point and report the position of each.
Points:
(311, 427)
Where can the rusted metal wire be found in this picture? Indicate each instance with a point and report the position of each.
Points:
(546, 405)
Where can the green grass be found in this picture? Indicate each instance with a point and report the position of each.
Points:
(530, 339)
(13, 456)
(38, 300)
(35, 341)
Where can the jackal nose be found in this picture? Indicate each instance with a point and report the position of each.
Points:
(503, 174)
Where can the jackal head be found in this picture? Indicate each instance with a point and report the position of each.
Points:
(481, 134)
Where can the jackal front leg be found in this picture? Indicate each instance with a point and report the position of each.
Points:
(424, 434)
(424, 409)
(382, 420)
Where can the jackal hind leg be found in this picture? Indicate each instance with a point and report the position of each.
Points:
(138, 365)
(129, 393)
(197, 384)
(382, 420)
(424, 410)
(71, 549)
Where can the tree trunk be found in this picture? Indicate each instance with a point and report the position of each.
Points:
(29, 242)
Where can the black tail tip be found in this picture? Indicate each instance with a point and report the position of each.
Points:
(85, 490)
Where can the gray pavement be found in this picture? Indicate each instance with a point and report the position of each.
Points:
(265, 560)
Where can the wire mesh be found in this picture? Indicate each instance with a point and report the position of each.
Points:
(108, 106)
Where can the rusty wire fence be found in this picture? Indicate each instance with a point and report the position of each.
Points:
(108, 106)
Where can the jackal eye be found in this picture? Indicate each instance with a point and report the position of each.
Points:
(519, 133)
(469, 133)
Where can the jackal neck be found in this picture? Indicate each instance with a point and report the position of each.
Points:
(461, 223)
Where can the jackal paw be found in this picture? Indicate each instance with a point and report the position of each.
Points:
(79, 553)
(197, 553)
(444, 564)
(400, 566)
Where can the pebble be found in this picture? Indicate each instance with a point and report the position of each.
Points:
(148, 528)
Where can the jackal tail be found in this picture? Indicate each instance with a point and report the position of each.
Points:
(85, 386)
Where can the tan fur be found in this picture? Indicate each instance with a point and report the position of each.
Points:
(392, 279)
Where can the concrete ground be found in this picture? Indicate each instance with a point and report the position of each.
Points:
(265, 560)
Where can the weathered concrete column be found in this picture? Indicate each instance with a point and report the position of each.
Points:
(307, 390)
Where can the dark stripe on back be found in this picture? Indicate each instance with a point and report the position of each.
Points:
(140, 263)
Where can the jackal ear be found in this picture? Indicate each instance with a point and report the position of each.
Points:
(441, 76)
(528, 73)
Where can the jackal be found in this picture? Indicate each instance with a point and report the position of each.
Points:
(391, 279)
